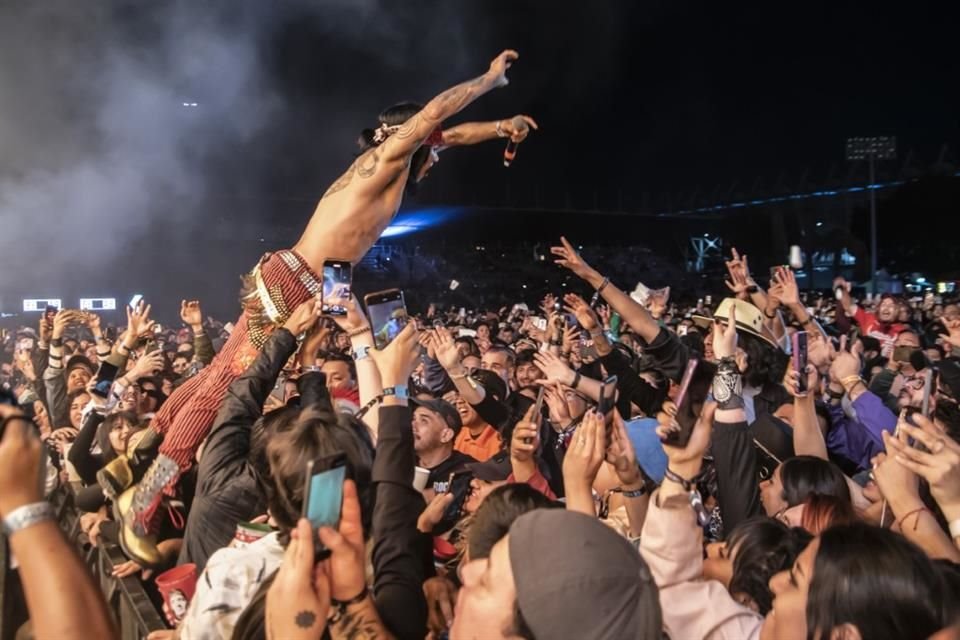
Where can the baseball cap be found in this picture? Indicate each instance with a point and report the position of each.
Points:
(491, 383)
(79, 361)
(496, 469)
(444, 409)
(588, 583)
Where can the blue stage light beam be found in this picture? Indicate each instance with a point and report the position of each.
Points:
(419, 220)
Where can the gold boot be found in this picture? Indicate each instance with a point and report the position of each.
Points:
(143, 550)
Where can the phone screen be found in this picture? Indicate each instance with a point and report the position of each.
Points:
(685, 417)
(388, 316)
(136, 300)
(337, 276)
(927, 388)
(323, 495)
(800, 358)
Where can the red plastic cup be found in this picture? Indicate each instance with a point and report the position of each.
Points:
(177, 586)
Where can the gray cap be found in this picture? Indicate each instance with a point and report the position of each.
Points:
(576, 578)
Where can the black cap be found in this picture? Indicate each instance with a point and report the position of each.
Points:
(496, 469)
(491, 383)
(444, 409)
(80, 361)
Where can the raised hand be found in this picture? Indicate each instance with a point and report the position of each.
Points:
(432, 514)
(63, 319)
(939, 465)
(557, 408)
(20, 462)
(139, 323)
(303, 317)
(548, 304)
(586, 452)
(586, 316)
(499, 66)
(445, 348)
(788, 293)
(845, 364)
(621, 455)
(526, 437)
(739, 273)
(555, 369)
(354, 320)
(147, 365)
(398, 360)
(952, 336)
(298, 601)
(725, 338)
(571, 337)
(191, 314)
(93, 321)
(686, 461)
(518, 127)
(348, 551)
(569, 258)
(791, 382)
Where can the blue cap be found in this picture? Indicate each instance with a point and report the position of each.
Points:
(646, 443)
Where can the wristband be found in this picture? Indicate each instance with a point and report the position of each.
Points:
(500, 132)
(769, 317)
(358, 332)
(635, 493)
(399, 391)
(596, 294)
(727, 385)
(27, 516)
(56, 342)
(576, 380)
(310, 369)
(361, 353)
(340, 606)
(680, 480)
(753, 289)
(850, 381)
(836, 395)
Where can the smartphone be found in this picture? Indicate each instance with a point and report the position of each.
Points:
(135, 300)
(608, 394)
(540, 323)
(902, 354)
(337, 280)
(458, 485)
(537, 409)
(927, 389)
(799, 359)
(388, 315)
(49, 313)
(685, 418)
(323, 495)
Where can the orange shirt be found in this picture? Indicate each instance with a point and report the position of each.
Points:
(481, 448)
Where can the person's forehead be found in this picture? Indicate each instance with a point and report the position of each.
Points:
(334, 365)
(423, 412)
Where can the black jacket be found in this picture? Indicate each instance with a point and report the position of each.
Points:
(401, 554)
(736, 464)
(227, 490)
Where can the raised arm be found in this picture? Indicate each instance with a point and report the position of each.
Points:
(417, 129)
(632, 313)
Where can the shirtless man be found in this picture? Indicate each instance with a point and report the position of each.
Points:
(348, 220)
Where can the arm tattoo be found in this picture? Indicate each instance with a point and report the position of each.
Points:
(306, 619)
(367, 163)
(359, 625)
(454, 99)
(409, 128)
(341, 182)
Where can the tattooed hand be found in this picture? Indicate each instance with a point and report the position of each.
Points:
(299, 598)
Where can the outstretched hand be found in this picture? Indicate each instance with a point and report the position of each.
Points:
(499, 66)
(518, 127)
(569, 258)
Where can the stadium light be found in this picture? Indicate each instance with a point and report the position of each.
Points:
(40, 304)
(872, 149)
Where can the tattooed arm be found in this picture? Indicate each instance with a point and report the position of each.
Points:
(414, 131)
(359, 622)
(516, 128)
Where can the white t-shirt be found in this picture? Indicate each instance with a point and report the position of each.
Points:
(226, 587)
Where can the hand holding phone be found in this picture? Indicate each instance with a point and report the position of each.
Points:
(388, 315)
(799, 359)
(685, 418)
(337, 281)
(323, 495)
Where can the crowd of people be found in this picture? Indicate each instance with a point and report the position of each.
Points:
(605, 463)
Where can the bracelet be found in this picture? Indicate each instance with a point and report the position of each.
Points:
(955, 528)
(836, 395)
(500, 132)
(673, 477)
(850, 381)
(310, 369)
(27, 516)
(632, 493)
(752, 289)
(916, 523)
(596, 294)
(576, 380)
(358, 332)
(56, 342)
(769, 317)
(340, 606)
(556, 343)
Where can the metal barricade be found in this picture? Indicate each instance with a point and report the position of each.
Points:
(132, 610)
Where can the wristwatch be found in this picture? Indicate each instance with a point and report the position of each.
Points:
(27, 516)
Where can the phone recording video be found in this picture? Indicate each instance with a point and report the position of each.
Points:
(685, 418)
(323, 495)
(799, 359)
(388, 315)
(459, 486)
(136, 300)
(337, 279)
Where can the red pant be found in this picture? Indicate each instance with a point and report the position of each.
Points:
(188, 414)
